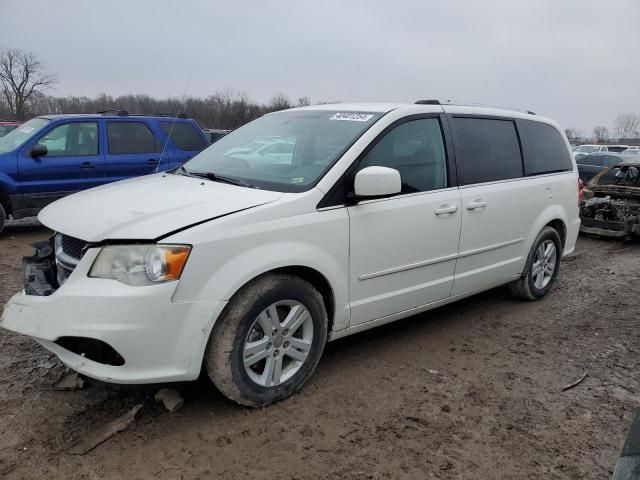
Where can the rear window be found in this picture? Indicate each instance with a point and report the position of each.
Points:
(184, 135)
(131, 138)
(486, 150)
(543, 148)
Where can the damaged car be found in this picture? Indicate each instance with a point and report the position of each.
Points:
(245, 269)
(611, 201)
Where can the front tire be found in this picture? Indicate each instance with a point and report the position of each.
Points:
(3, 217)
(542, 267)
(268, 341)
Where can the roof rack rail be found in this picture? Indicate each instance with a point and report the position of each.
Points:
(459, 103)
(122, 113)
(171, 114)
(427, 102)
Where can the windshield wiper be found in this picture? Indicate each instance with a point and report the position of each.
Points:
(215, 177)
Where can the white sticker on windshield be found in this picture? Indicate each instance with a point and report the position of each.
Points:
(352, 116)
(26, 129)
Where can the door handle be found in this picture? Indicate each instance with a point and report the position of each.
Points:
(87, 165)
(477, 205)
(446, 209)
(153, 161)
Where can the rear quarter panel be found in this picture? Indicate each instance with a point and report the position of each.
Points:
(562, 203)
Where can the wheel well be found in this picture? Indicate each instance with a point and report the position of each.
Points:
(559, 227)
(319, 282)
(4, 201)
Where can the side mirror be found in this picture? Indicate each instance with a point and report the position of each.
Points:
(377, 182)
(39, 150)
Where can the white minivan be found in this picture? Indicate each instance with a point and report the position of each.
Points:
(379, 212)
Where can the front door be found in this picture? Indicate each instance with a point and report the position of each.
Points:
(73, 162)
(403, 248)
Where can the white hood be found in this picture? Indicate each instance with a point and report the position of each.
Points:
(148, 207)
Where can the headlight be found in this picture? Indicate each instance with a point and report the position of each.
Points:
(140, 265)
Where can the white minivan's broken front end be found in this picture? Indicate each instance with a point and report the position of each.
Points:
(105, 307)
(107, 329)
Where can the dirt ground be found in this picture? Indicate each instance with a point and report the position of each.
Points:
(471, 390)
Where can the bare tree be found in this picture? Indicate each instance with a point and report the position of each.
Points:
(223, 109)
(600, 134)
(304, 102)
(627, 125)
(279, 102)
(22, 76)
(572, 134)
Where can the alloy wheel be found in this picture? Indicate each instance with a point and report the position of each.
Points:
(544, 264)
(278, 343)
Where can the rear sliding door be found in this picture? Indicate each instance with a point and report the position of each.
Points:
(509, 172)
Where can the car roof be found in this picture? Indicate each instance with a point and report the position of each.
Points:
(455, 108)
(356, 107)
(111, 116)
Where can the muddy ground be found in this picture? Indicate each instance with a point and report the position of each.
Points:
(471, 390)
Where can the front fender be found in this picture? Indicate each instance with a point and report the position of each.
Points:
(217, 269)
(8, 175)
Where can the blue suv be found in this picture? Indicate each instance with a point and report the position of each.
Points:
(52, 156)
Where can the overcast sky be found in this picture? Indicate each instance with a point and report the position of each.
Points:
(577, 61)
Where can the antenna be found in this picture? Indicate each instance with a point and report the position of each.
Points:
(173, 122)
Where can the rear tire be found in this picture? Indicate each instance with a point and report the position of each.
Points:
(542, 267)
(252, 357)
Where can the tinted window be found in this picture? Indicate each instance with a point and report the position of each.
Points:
(416, 150)
(543, 148)
(184, 135)
(486, 150)
(131, 137)
(597, 160)
(72, 140)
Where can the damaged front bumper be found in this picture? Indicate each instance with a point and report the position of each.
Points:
(610, 217)
(608, 228)
(40, 270)
(155, 339)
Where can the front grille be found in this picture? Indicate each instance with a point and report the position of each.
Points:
(68, 251)
(72, 246)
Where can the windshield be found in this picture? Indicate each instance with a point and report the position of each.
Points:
(587, 148)
(624, 176)
(20, 135)
(286, 151)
